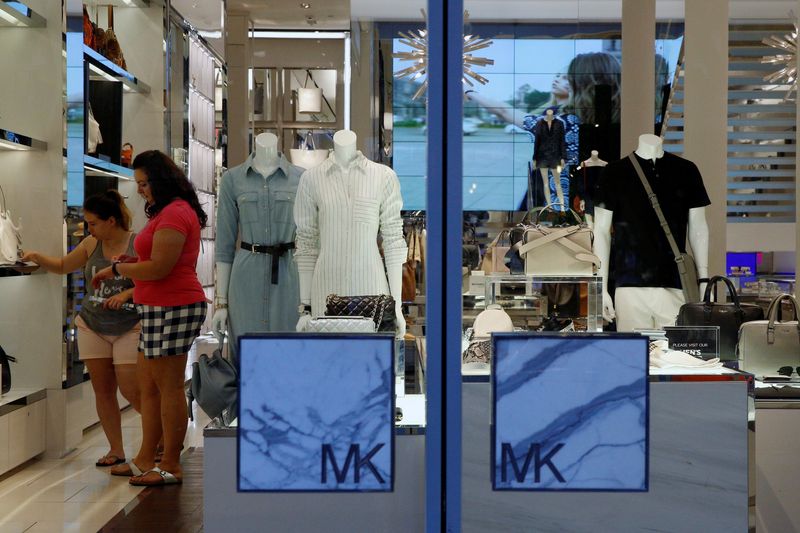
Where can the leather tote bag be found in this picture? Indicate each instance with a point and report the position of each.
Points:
(766, 345)
(10, 237)
(728, 316)
(214, 385)
(559, 250)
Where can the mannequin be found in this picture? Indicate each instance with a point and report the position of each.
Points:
(341, 206)
(549, 153)
(590, 183)
(256, 203)
(594, 160)
(648, 305)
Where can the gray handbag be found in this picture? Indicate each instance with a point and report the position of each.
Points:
(340, 324)
(214, 385)
(766, 345)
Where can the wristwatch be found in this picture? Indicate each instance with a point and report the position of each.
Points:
(304, 309)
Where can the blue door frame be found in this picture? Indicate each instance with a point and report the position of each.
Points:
(443, 270)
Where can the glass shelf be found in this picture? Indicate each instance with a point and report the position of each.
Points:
(108, 70)
(10, 140)
(18, 269)
(98, 167)
(18, 15)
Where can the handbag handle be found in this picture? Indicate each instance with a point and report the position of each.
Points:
(731, 290)
(772, 315)
(308, 142)
(3, 194)
(549, 206)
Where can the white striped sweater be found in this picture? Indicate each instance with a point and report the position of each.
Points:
(339, 213)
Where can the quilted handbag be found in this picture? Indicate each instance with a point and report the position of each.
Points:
(5, 371)
(766, 345)
(340, 324)
(380, 308)
(559, 250)
(728, 316)
(10, 238)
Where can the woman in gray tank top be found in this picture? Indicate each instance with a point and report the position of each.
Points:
(108, 324)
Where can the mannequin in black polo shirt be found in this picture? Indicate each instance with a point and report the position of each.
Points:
(648, 290)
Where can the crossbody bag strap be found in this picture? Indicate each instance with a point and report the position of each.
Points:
(656, 207)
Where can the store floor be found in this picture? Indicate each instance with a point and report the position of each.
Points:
(73, 495)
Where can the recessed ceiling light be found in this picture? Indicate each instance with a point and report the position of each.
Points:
(305, 5)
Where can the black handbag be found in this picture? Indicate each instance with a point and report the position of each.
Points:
(5, 369)
(728, 316)
(470, 250)
(380, 308)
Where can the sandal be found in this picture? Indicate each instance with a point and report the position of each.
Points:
(132, 470)
(116, 460)
(167, 478)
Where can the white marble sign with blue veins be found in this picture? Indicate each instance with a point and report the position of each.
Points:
(570, 413)
(316, 413)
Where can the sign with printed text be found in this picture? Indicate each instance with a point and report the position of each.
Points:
(571, 412)
(316, 413)
(700, 341)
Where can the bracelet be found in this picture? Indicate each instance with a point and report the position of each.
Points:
(218, 306)
(114, 268)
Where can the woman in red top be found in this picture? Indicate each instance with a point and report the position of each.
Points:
(172, 307)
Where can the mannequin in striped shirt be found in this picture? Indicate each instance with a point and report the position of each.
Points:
(341, 207)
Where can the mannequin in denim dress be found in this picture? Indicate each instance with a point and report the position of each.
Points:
(257, 284)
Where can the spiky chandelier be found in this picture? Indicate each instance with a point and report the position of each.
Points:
(418, 42)
(786, 61)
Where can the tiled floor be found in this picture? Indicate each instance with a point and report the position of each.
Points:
(71, 494)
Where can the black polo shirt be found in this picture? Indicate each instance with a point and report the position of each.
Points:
(641, 255)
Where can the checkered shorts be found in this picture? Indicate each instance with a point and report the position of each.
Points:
(169, 330)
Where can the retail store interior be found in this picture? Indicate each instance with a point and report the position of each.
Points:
(617, 349)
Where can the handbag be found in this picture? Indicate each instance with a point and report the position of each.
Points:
(340, 324)
(10, 237)
(94, 136)
(214, 384)
(5, 371)
(470, 250)
(88, 29)
(766, 345)
(380, 308)
(559, 250)
(686, 265)
(113, 50)
(728, 316)
(409, 287)
(493, 258)
(306, 154)
(126, 155)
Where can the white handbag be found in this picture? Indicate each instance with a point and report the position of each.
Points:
(94, 137)
(341, 324)
(767, 345)
(559, 251)
(10, 237)
(306, 155)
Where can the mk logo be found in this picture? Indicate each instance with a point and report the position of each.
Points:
(535, 454)
(353, 458)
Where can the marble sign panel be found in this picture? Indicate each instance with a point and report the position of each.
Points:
(316, 413)
(570, 412)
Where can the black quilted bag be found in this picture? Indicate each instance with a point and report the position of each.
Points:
(379, 308)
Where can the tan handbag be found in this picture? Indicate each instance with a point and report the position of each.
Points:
(493, 258)
(766, 345)
(559, 251)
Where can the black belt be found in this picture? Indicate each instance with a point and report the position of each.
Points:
(275, 251)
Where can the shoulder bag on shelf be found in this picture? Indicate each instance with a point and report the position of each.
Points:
(493, 258)
(767, 345)
(113, 50)
(380, 308)
(559, 250)
(728, 316)
(10, 237)
(470, 250)
(214, 385)
(340, 324)
(686, 265)
(409, 292)
(306, 155)
(5, 371)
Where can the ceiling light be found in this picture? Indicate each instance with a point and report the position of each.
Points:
(305, 5)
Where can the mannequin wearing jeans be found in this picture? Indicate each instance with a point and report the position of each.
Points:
(649, 305)
(341, 207)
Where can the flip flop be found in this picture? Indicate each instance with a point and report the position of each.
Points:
(117, 460)
(132, 470)
(167, 478)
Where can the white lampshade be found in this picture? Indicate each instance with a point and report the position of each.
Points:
(309, 100)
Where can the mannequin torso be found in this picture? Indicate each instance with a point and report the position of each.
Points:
(266, 158)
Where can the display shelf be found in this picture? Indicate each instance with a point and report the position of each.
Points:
(104, 67)
(10, 140)
(104, 168)
(118, 3)
(18, 269)
(17, 398)
(18, 15)
(200, 94)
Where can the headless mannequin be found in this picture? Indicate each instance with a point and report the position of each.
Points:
(345, 151)
(650, 147)
(265, 162)
(545, 171)
(593, 161)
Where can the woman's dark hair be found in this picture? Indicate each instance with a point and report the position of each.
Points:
(585, 73)
(167, 183)
(109, 204)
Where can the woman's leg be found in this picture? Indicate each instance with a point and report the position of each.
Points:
(544, 172)
(168, 374)
(151, 414)
(104, 383)
(128, 383)
(126, 355)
